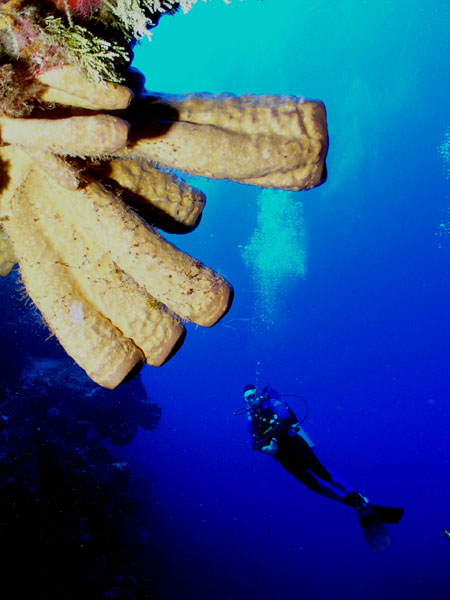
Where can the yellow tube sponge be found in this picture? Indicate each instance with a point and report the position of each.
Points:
(91, 339)
(159, 197)
(186, 286)
(112, 289)
(66, 85)
(55, 166)
(113, 293)
(76, 136)
(270, 141)
(7, 256)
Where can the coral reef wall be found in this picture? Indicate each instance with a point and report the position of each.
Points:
(65, 499)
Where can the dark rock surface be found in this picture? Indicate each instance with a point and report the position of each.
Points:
(69, 526)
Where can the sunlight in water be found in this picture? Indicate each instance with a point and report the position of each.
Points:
(444, 150)
(276, 252)
(443, 230)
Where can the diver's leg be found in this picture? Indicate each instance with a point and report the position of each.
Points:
(299, 459)
(296, 456)
(332, 489)
(371, 518)
(313, 481)
(339, 482)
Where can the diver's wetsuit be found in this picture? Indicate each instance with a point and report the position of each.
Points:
(296, 456)
(273, 418)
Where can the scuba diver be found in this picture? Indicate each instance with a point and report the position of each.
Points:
(275, 430)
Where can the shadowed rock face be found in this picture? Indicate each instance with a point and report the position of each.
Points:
(64, 498)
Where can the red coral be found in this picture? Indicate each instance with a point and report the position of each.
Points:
(25, 32)
(83, 8)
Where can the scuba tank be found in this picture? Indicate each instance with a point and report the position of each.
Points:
(297, 429)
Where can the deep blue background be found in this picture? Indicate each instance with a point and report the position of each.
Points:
(364, 336)
(355, 319)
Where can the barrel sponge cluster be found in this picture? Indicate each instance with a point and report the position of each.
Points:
(87, 183)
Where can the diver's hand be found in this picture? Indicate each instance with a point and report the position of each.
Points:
(272, 448)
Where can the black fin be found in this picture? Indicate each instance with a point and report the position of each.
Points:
(376, 534)
(388, 514)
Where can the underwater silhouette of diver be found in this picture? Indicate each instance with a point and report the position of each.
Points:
(275, 430)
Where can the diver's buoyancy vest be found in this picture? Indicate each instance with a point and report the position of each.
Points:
(264, 420)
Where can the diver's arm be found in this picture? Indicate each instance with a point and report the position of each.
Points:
(282, 425)
(268, 445)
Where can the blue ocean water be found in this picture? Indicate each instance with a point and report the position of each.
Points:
(341, 296)
(354, 316)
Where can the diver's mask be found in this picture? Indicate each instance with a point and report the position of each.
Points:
(251, 399)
